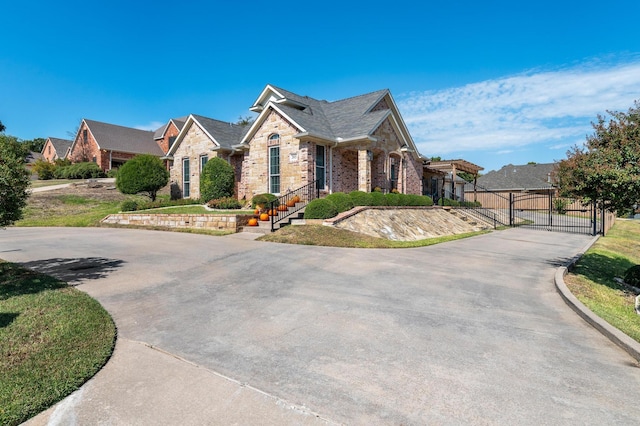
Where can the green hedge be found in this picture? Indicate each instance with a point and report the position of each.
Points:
(87, 170)
(262, 199)
(341, 200)
(360, 198)
(320, 208)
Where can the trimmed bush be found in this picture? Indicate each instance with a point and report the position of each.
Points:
(320, 208)
(44, 169)
(86, 170)
(142, 174)
(224, 203)
(217, 180)
(448, 202)
(341, 200)
(262, 199)
(128, 206)
(418, 200)
(392, 199)
(112, 173)
(360, 198)
(632, 276)
(378, 199)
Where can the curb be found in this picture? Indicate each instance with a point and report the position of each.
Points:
(616, 336)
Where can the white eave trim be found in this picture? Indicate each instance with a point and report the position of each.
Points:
(260, 120)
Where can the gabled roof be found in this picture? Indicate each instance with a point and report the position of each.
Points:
(222, 133)
(178, 122)
(339, 121)
(524, 177)
(123, 139)
(60, 145)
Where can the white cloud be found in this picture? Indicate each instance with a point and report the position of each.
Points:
(552, 109)
(154, 125)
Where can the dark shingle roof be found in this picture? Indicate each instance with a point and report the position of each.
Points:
(225, 133)
(61, 146)
(179, 122)
(345, 118)
(528, 176)
(124, 139)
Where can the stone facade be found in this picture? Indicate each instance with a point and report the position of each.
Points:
(229, 222)
(195, 145)
(296, 158)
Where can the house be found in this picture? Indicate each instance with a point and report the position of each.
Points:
(199, 139)
(55, 148)
(521, 179)
(357, 143)
(166, 135)
(110, 145)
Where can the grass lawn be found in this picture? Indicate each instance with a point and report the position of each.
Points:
(319, 235)
(53, 338)
(592, 280)
(68, 210)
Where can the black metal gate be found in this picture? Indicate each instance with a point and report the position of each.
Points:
(549, 212)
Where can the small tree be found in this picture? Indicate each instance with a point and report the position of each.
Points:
(142, 174)
(217, 180)
(14, 181)
(607, 169)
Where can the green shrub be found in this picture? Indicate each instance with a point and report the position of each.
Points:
(217, 179)
(560, 205)
(128, 206)
(142, 174)
(359, 198)
(320, 208)
(341, 200)
(448, 202)
(378, 199)
(224, 203)
(392, 199)
(418, 200)
(112, 173)
(263, 200)
(87, 170)
(470, 204)
(632, 276)
(44, 169)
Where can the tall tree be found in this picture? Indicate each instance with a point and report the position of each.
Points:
(14, 180)
(2, 127)
(607, 168)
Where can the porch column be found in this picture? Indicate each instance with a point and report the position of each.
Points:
(364, 171)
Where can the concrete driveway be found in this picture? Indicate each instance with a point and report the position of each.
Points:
(228, 331)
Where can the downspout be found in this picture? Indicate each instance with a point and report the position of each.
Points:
(110, 160)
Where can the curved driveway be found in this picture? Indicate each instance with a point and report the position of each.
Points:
(224, 330)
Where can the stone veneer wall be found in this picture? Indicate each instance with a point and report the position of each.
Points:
(228, 222)
(194, 145)
(295, 158)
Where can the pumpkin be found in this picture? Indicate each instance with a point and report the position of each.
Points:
(282, 208)
(296, 199)
(273, 212)
(256, 211)
(291, 203)
(253, 222)
(264, 217)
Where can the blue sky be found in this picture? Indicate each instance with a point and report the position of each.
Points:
(493, 82)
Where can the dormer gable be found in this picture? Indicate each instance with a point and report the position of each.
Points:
(279, 97)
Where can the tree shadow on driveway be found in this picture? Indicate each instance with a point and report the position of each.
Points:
(75, 270)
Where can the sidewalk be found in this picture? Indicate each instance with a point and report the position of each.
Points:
(66, 185)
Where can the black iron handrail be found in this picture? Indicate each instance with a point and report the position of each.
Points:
(294, 201)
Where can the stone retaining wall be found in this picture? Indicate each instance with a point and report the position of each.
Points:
(222, 222)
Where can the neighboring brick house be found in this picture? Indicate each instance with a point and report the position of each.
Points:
(55, 148)
(109, 145)
(166, 135)
(358, 143)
